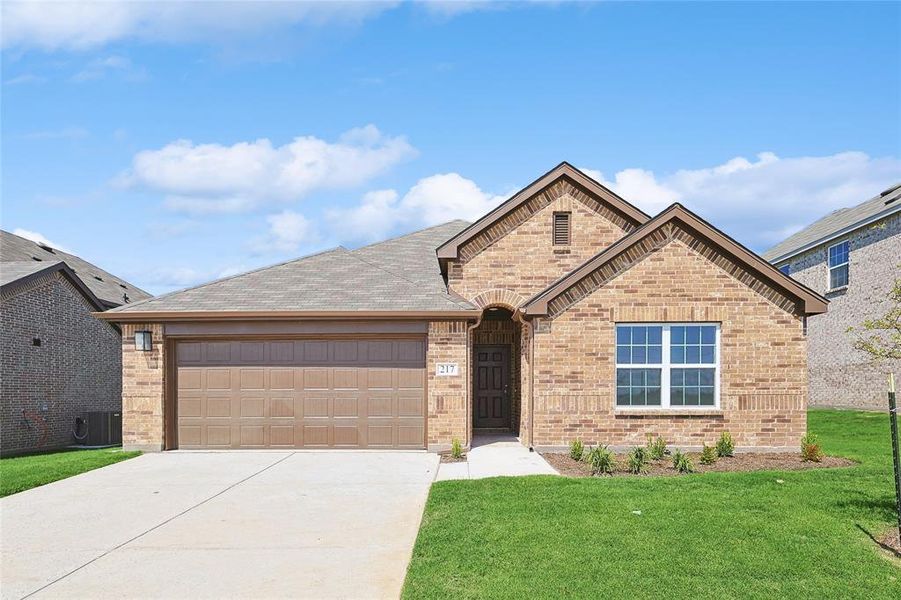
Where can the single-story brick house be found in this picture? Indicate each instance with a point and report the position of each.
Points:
(56, 360)
(565, 312)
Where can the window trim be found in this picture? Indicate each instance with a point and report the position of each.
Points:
(666, 366)
(830, 267)
(569, 228)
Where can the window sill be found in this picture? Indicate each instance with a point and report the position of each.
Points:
(668, 412)
(838, 290)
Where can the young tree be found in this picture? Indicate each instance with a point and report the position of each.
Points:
(881, 337)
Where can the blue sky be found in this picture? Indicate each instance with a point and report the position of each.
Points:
(175, 143)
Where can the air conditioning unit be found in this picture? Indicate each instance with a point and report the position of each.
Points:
(99, 428)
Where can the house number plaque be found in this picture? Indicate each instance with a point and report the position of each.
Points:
(447, 369)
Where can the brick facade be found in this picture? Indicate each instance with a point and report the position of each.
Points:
(76, 368)
(447, 403)
(143, 388)
(839, 374)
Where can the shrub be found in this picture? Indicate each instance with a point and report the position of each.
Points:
(725, 446)
(708, 455)
(682, 463)
(576, 450)
(601, 460)
(810, 448)
(456, 449)
(638, 461)
(656, 448)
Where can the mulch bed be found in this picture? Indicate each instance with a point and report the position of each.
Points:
(751, 461)
(447, 458)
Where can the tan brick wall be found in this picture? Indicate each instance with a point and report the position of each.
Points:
(143, 386)
(448, 412)
(763, 373)
(523, 261)
(75, 369)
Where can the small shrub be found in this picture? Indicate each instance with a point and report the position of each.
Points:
(601, 460)
(656, 448)
(810, 448)
(456, 449)
(708, 455)
(576, 450)
(682, 463)
(638, 461)
(725, 446)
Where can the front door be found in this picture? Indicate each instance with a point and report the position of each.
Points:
(492, 387)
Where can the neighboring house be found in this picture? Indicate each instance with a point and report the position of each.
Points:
(564, 313)
(56, 360)
(852, 256)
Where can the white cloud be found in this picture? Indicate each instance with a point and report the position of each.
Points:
(173, 277)
(288, 230)
(435, 199)
(85, 25)
(761, 201)
(207, 178)
(26, 78)
(100, 67)
(34, 236)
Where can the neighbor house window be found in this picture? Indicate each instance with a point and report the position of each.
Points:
(667, 365)
(786, 269)
(838, 265)
(562, 228)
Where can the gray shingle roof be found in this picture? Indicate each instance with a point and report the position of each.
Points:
(14, 271)
(104, 285)
(397, 274)
(837, 223)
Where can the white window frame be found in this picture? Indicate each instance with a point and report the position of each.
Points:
(829, 267)
(665, 367)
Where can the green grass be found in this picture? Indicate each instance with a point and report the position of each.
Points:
(22, 473)
(713, 535)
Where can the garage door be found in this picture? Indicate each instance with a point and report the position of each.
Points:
(301, 394)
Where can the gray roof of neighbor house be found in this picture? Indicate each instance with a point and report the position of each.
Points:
(106, 286)
(400, 274)
(16, 273)
(836, 224)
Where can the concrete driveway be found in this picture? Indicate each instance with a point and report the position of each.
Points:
(217, 525)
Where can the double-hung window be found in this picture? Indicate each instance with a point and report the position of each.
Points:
(839, 257)
(667, 365)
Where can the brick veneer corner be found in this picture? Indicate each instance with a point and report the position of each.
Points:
(143, 389)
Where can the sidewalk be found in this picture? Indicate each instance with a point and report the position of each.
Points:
(496, 456)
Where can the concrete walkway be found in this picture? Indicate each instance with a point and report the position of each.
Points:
(496, 456)
(220, 525)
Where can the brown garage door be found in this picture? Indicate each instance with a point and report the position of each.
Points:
(301, 394)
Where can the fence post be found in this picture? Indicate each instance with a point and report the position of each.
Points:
(896, 459)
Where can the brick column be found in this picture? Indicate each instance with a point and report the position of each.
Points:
(143, 386)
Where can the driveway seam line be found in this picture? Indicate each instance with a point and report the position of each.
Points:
(157, 526)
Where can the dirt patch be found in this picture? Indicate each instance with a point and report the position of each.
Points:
(751, 461)
(891, 542)
(447, 458)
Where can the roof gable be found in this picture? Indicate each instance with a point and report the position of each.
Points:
(14, 274)
(563, 172)
(657, 231)
(104, 285)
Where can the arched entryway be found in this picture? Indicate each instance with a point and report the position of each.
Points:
(496, 389)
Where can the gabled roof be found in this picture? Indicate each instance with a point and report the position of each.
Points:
(18, 273)
(389, 278)
(837, 224)
(813, 303)
(565, 170)
(106, 286)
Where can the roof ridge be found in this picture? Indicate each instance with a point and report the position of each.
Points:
(403, 235)
(125, 307)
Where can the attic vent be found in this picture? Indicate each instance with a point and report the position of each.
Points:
(36, 258)
(46, 247)
(98, 277)
(890, 190)
(123, 286)
(562, 228)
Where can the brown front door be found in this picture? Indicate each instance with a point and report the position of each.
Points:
(492, 387)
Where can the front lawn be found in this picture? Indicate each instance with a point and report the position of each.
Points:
(21, 473)
(711, 535)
